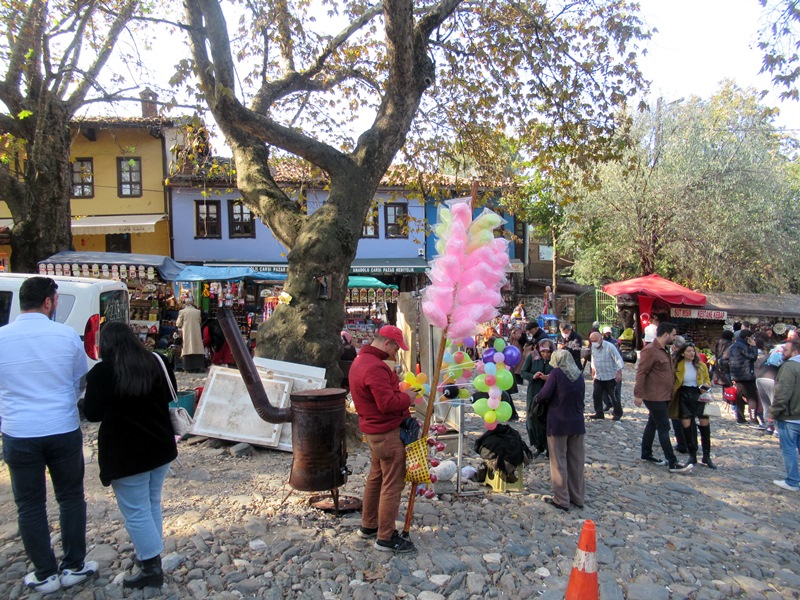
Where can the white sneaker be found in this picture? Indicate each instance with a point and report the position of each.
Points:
(781, 483)
(71, 577)
(46, 586)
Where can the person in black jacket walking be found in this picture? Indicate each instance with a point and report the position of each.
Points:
(743, 354)
(128, 393)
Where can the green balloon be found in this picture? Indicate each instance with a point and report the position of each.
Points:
(481, 406)
(499, 344)
(503, 411)
(505, 379)
(480, 383)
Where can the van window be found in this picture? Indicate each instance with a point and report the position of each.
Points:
(64, 307)
(114, 306)
(5, 307)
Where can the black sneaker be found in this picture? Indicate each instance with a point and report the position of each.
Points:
(397, 544)
(599, 417)
(367, 532)
(677, 467)
(656, 461)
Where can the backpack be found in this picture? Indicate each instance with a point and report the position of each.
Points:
(724, 361)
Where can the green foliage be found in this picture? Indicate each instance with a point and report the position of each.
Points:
(779, 38)
(706, 195)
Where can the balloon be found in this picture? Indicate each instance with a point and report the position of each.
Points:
(490, 426)
(499, 359)
(499, 344)
(480, 367)
(505, 379)
(480, 383)
(457, 372)
(504, 411)
(469, 342)
(488, 355)
(429, 494)
(419, 400)
(467, 373)
(404, 385)
(448, 359)
(493, 403)
(480, 406)
(512, 355)
(458, 357)
(422, 378)
(490, 416)
(490, 369)
(451, 391)
(426, 389)
(490, 380)
(463, 393)
(435, 462)
(495, 392)
(434, 477)
(409, 377)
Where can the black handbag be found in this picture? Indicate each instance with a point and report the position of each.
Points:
(409, 430)
(539, 409)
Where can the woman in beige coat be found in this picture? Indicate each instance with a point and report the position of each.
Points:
(193, 352)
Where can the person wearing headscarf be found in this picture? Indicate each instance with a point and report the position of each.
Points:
(349, 351)
(535, 371)
(564, 391)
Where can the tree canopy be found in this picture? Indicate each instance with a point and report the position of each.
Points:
(706, 195)
(53, 58)
(412, 78)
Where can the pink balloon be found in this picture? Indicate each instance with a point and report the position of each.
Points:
(479, 367)
(495, 392)
(493, 403)
(418, 400)
(490, 426)
(467, 373)
(490, 380)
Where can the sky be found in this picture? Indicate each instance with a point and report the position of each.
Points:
(701, 42)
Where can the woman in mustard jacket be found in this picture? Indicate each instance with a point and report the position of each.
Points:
(691, 380)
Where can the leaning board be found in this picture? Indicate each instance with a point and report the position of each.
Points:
(303, 377)
(226, 411)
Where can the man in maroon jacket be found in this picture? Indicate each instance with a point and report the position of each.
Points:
(381, 408)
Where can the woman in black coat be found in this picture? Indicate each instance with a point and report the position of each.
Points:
(128, 393)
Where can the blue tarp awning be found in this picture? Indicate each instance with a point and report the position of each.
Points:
(197, 273)
(167, 268)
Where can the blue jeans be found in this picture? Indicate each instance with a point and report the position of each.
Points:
(790, 446)
(27, 460)
(139, 501)
(657, 421)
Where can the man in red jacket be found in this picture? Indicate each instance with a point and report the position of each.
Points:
(381, 408)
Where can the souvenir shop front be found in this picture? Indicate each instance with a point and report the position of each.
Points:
(149, 277)
(642, 298)
(370, 303)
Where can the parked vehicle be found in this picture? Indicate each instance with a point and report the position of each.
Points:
(83, 304)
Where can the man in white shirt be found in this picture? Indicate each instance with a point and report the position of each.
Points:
(650, 331)
(42, 366)
(607, 365)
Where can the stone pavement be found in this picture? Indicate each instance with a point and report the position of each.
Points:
(707, 535)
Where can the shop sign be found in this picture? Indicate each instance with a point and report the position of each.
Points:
(385, 270)
(270, 268)
(698, 313)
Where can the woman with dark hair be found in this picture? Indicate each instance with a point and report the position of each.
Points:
(691, 379)
(563, 392)
(214, 338)
(535, 371)
(128, 393)
(722, 367)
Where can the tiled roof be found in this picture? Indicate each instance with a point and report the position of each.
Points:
(121, 122)
(298, 172)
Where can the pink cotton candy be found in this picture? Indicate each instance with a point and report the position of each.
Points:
(435, 315)
(440, 295)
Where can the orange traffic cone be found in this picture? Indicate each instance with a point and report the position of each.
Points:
(583, 579)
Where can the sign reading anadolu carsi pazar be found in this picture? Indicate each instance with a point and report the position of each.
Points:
(698, 313)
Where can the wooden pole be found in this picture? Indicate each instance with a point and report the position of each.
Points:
(426, 425)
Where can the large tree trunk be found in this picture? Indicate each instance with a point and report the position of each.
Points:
(42, 221)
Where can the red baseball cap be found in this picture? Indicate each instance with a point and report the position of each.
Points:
(393, 333)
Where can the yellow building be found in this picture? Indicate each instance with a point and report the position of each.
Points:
(119, 201)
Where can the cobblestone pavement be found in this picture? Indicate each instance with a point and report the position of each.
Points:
(708, 535)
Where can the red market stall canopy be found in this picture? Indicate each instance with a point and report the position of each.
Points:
(657, 287)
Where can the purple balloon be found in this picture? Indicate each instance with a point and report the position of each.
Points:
(469, 342)
(513, 355)
(488, 355)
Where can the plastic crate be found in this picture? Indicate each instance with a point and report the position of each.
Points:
(498, 481)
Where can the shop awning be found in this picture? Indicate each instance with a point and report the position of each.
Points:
(657, 287)
(388, 266)
(167, 268)
(356, 281)
(197, 273)
(116, 224)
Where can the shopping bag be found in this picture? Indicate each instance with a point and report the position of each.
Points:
(417, 470)
(711, 409)
(729, 394)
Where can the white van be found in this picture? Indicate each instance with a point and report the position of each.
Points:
(83, 304)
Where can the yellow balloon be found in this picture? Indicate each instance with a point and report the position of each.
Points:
(409, 377)
(490, 416)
